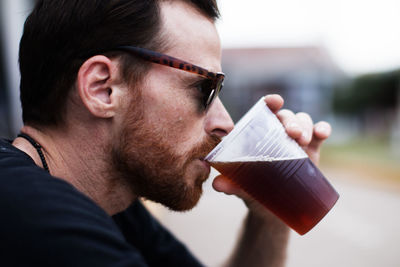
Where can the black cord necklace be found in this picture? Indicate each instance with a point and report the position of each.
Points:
(38, 148)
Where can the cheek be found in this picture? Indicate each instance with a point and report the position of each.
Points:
(172, 113)
(177, 125)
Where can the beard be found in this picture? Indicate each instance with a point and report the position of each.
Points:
(143, 158)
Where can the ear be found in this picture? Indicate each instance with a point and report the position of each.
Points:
(96, 84)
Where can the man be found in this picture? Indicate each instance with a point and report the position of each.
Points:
(109, 119)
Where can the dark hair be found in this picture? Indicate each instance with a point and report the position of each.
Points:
(59, 35)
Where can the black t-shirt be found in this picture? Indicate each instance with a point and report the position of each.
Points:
(45, 221)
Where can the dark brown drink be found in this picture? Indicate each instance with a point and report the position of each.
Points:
(294, 190)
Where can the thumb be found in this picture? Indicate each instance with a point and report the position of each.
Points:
(225, 185)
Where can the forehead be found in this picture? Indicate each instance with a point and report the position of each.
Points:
(190, 35)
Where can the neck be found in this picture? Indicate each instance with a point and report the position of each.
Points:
(79, 160)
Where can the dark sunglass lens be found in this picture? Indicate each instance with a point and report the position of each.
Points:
(212, 91)
(210, 99)
(220, 85)
(206, 90)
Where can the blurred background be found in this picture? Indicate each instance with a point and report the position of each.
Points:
(337, 60)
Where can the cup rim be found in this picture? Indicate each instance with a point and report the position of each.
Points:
(239, 127)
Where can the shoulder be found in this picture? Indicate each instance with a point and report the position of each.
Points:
(29, 192)
(157, 245)
(25, 185)
(47, 222)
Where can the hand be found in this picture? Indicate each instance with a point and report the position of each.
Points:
(298, 126)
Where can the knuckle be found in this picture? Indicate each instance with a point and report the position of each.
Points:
(304, 117)
(285, 113)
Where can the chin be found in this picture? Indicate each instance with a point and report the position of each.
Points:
(186, 198)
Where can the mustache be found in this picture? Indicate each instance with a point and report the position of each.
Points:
(205, 147)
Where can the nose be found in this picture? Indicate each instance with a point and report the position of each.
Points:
(218, 121)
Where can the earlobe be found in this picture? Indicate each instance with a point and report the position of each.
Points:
(95, 81)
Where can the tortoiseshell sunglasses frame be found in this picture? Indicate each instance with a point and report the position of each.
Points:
(217, 78)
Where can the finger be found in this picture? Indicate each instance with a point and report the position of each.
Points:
(290, 122)
(225, 185)
(306, 124)
(322, 130)
(274, 102)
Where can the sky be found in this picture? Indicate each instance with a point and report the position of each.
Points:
(361, 35)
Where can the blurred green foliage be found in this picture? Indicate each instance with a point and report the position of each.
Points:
(368, 92)
(365, 149)
(370, 158)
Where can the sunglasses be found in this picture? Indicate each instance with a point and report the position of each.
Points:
(209, 89)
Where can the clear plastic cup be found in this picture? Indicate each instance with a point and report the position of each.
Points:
(272, 168)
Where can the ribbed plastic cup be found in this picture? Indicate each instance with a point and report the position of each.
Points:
(272, 168)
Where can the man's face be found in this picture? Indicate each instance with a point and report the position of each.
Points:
(166, 132)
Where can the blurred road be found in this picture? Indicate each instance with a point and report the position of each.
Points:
(362, 230)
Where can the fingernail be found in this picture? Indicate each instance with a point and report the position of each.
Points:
(304, 135)
(267, 97)
(322, 128)
(293, 125)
